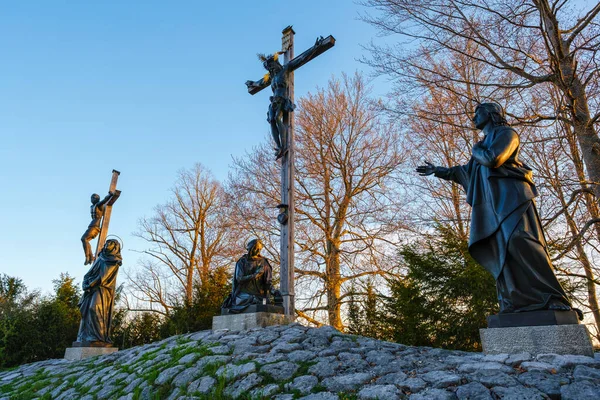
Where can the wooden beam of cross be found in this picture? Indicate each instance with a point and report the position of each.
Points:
(108, 210)
(321, 46)
(281, 80)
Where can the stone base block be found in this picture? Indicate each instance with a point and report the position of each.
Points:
(80, 353)
(245, 321)
(254, 308)
(558, 339)
(533, 318)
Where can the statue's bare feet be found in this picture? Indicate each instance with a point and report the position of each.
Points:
(558, 306)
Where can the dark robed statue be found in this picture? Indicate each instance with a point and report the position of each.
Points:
(252, 281)
(98, 298)
(506, 235)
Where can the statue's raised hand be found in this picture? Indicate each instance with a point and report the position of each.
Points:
(427, 169)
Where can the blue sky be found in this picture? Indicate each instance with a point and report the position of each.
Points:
(143, 87)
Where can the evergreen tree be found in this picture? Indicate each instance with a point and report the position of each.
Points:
(372, 314)
(34, 328)
(444, 297)
(207, 299)
(57, 319)
(355, 321)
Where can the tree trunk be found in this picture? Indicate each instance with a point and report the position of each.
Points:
(189, 288)
(334, 286)
(592, 208)
(587, 267)
(569, 82)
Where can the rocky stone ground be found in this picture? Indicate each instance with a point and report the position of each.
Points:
(290, 362)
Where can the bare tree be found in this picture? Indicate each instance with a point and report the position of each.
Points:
(526, 45)
(188, 236)
(347, 201)
(538, 60)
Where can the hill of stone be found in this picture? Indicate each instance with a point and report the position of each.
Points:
(290, 362)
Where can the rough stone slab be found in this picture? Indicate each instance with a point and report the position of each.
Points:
(580, 391)
(559, 339)
(376, 392)
(303, 384)
(281, 371)
(473, 391)
(81, 353)
(246, 321)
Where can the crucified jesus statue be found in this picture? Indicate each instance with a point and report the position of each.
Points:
(277, 77)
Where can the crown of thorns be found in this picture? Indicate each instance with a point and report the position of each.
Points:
(264, 57)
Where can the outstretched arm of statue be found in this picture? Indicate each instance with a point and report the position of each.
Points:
(106, 199)
(257, 84)
(503, 146)
(427, 169)
(456, 174)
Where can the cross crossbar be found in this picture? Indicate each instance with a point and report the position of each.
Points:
(324, 45)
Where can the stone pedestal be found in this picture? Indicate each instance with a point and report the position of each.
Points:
(255, 308)
(249, 320)
(80, 353)
(533, 318)
(558, 339)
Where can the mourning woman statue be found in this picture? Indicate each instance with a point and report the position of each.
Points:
(506, 235)
(252, 281)
(98, 298)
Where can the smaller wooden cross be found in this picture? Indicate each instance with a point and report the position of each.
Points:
(107, 211)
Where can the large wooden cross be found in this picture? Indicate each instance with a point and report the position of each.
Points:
(290, 63)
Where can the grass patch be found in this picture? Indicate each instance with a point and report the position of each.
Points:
(219, 387)
(27, 388)
(303, 367)
(268, 379)
(151, 355)
(128, 369)
(242, 362)
(137, 393)
(151, 376)
(182, 340)
(318, 388)
(163, 391)
(210, 369)
(83, 389)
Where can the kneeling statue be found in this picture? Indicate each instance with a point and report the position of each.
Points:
(252, 282)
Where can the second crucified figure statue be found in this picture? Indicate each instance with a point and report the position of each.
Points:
(97, 212)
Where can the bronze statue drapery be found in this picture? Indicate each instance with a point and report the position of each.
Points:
(97, 303)
(252, 281)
